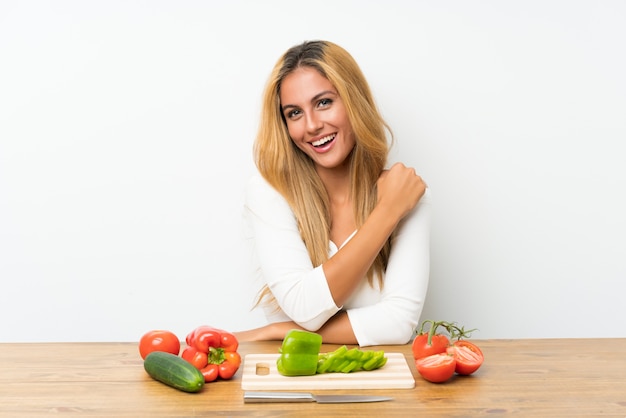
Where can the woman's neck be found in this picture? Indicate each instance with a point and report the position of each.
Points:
(337, 183)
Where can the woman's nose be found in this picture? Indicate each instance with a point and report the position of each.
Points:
(313, 123)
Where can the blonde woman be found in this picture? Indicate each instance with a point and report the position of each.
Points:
(339, 243)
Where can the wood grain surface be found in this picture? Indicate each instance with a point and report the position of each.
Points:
(520, 378)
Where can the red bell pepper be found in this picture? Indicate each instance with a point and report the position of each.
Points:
(212, 351)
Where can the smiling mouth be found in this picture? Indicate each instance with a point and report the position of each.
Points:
(323, 141)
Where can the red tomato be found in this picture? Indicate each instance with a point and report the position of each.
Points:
(159, 340)
(467, 355)
(438, 344)
(436, 368)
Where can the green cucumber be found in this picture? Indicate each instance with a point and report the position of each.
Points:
(174, 371)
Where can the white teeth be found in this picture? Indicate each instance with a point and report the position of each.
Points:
(323, 140)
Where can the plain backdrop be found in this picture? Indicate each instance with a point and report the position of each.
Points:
(126, 130)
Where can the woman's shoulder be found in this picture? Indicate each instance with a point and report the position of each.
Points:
(262, 200)
(257, 184)
(256, 181)
(258, 190)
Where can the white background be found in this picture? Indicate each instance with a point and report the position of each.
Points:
(126, 130)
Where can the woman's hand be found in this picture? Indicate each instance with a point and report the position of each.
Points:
(400, 189)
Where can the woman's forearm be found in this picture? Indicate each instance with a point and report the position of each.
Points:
(271, 332)
(350, 264)
(399, 190)
(337, 330)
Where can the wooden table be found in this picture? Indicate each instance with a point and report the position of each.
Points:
(538, 378)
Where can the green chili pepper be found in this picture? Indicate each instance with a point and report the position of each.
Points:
(299, 353)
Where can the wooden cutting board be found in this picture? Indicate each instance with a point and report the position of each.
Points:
(395, 374)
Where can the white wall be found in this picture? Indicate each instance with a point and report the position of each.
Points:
(125, 141)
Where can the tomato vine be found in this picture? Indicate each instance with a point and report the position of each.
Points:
(455, 331)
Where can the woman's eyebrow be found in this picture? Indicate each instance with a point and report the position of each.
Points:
(313, 99)
(323, 93)
(288, 106)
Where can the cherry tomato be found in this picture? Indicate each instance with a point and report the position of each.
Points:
(438, 344)
(436, 368)
(467, 355)
(159, 340)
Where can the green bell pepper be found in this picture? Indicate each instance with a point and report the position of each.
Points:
(299, 353)
(343, 360)
(300, 356)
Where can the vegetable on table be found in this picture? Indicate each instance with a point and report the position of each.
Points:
(441, 348)
(300, 356)
(436, 368)
(212, 351)
(299, 353)
(343, 360)
(467, 355)
(427, 344)
(158, 340)
(174, 371)
(434, 341)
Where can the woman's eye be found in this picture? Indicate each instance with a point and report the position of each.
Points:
(293, 113)
(325, 102)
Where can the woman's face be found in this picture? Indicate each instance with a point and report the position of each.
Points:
(316, 118)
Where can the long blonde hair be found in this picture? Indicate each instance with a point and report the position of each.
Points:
(292, 173)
